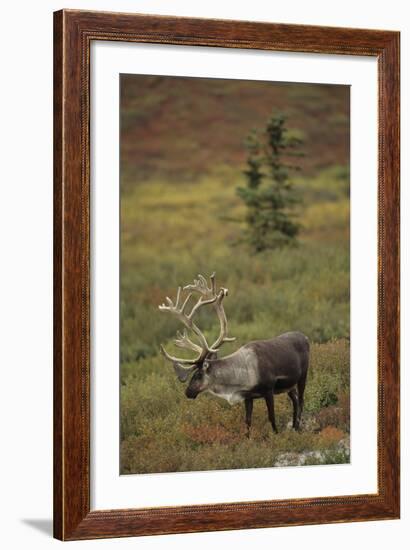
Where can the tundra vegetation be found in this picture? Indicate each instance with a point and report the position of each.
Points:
(182, 156)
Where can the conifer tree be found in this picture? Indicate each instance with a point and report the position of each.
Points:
(269, 195)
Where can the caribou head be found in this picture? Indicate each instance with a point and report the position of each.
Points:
(198, 366)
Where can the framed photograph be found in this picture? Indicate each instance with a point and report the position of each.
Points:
(226, 275)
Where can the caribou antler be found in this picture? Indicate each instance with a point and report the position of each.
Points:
(208, 296)
(179, 312)
(182, 341)
(200, 285)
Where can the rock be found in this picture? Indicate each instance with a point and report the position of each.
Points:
(300, 459)
(344, 444)
(288, 459)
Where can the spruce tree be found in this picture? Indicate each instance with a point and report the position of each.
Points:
(269, 195)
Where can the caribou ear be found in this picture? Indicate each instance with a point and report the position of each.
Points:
(211, 357)
(183, 372)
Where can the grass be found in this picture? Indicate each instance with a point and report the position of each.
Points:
(171, 233)
(162, 431)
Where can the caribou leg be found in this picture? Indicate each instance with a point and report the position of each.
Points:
(248, 410)
(293, 394)
(271, 409)
(301, 391)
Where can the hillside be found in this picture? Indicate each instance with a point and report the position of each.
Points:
(182, 128)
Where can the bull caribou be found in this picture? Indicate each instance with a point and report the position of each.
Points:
(259, 369)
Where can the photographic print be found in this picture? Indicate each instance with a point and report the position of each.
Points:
(234, 274)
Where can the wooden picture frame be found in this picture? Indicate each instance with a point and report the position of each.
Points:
(74, 32)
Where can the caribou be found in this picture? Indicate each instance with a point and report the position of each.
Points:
(259, 369)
